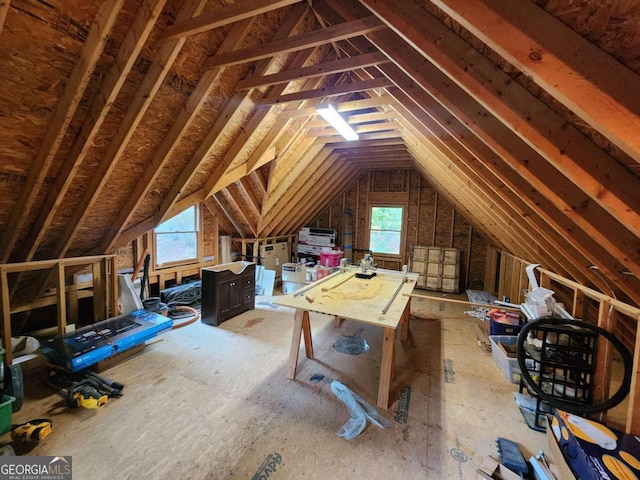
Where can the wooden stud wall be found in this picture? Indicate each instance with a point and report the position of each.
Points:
(429, 217)
(621, 319)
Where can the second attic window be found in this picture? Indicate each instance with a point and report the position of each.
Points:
(385, 230)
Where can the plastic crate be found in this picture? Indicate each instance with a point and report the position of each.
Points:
(6, 409)
(331, 259)
(503, 351)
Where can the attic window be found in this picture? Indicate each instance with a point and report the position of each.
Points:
(385, 229)
(176, 239)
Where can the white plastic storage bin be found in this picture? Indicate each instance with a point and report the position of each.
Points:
(503, 349)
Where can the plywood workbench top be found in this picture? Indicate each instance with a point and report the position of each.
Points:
(346, 296)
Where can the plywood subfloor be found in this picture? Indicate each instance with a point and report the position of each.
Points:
(213, 403)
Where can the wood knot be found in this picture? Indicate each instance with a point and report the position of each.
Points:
(535, 56)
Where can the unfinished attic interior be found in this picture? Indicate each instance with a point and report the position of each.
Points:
(147, 145)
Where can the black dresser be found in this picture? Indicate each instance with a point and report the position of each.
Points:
(228, 289)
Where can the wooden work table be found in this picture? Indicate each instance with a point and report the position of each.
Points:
(361, 300)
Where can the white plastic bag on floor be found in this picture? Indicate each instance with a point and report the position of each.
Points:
(359, 410)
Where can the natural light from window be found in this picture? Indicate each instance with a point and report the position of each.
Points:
(385, 233)
(177, 238)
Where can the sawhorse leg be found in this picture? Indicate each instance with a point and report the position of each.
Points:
(387, 367)
(301, 325)
(404, 321)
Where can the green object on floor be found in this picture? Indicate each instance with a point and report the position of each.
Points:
(6, 409)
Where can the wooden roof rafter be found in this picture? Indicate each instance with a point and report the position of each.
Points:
(212, 138)
(4, 11)
(572, 69)
(135, 39)
(533, 208)
(300, 42)
(59, 122)
(512, 203)
(178, 129)
(455, 102)
(254, 202)
(535, 171)
(238, 204)
(133, 116)
(219, 17)
(224, 223)
(280, 190)
(562, 145)
(228, 214)
(317, 185)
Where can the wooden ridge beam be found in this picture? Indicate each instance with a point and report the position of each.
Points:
(59, 122)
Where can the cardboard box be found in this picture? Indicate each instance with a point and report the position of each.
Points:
(109, 362)
(290, 287)
(493, 469)
(293, 272)
(558, 464)
(594, 451)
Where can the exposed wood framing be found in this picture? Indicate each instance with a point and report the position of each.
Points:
(60, 119)
(585, 79)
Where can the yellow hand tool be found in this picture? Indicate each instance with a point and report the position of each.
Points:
(32, 431)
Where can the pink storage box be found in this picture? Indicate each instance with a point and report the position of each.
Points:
(331, 259)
